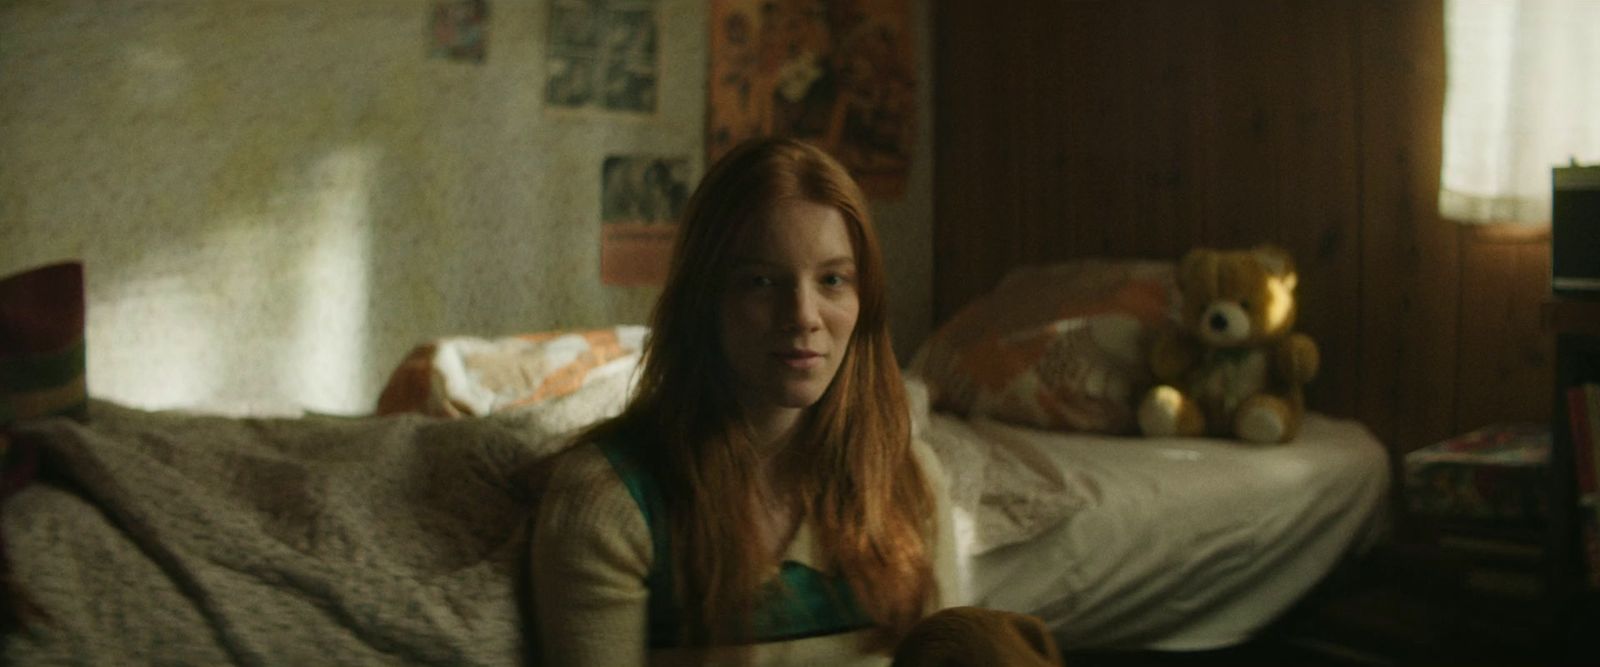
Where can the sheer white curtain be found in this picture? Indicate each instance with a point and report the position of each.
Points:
(1522, 96)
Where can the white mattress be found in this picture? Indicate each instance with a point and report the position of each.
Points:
(1179, 543)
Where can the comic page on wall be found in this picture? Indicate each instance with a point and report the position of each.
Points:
(640, 199)
(458, 30)
(602, 55)
(838, 73)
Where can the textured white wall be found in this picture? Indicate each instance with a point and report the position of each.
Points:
(276, 199)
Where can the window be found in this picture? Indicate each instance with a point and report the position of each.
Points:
(1522, 96)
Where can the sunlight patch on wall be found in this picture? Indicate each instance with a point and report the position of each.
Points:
(260, 313)
(328, 358)
(149, 341)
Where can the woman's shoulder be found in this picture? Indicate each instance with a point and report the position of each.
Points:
(583, 485)
(925, 457)
(582, 464)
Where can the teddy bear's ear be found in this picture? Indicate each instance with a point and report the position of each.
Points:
(1197, 271)
(1277, 262)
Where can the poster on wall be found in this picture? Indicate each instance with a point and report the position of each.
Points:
(640, 199)
(838, 73)
(459, 30)
(602, 55)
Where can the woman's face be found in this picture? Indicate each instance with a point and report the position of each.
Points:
(789, 308)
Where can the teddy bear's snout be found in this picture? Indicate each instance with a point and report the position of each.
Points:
(1225, 323)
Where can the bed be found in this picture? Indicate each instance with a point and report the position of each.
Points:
(1179, 544)
(182, 538)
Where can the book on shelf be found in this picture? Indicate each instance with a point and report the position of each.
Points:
(1583, 417)
(1487, 567)
(1503, 581)
(1500, 551)
(1589, 540)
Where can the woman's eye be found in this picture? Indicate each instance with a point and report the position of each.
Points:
(759, 281)
(835, 280)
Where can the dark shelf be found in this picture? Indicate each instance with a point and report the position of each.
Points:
(1575, 322)
(1566, 315)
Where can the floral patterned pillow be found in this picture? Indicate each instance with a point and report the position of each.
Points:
(469, 376)
(1059, 347)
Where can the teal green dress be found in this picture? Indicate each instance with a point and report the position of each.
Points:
(800, 603)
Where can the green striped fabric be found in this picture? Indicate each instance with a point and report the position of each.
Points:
(42, 344)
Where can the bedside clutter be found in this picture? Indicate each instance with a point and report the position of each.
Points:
(1488, 564)
(1494, 480)
(1481, 500)
(1465, 578)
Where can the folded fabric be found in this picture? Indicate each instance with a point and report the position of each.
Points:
(472, 376)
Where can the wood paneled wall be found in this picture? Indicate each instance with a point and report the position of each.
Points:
(1142, 128)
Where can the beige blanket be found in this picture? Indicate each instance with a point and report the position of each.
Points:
(165, 538)
(176, 539)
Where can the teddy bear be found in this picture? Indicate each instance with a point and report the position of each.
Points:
(1233, 366)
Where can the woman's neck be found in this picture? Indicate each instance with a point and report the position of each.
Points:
(773, 429)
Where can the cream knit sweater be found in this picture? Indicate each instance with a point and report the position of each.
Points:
(592, 552)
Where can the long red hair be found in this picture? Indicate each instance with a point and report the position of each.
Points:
(852, 474)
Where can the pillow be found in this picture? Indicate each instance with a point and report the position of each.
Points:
(1058, 347)
(41, 375)
(41, 357)
(42, 343)
(469, 376)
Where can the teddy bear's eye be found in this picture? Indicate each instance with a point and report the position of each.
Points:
(1245, 304)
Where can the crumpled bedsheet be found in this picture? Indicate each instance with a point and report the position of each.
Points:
(1003, 489)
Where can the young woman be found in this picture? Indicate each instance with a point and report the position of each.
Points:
(760, 500)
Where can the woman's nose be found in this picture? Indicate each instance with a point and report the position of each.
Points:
(802, 311)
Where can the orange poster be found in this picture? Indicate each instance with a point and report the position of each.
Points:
(838, 73)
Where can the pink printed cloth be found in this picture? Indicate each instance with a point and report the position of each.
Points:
(472, 376)
(1060, 347)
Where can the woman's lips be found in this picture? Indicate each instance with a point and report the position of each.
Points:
(799, 359)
